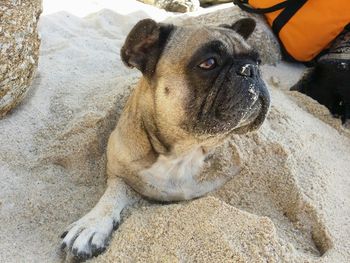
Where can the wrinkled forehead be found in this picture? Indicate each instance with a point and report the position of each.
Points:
(185, 41)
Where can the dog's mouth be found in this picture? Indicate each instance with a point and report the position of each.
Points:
(251, 121)
(251, 114)
(254, 118)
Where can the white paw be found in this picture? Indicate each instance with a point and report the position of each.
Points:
(88, 236)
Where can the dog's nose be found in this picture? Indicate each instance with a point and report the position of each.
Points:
(246, 70)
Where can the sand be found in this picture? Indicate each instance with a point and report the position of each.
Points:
(290, 202)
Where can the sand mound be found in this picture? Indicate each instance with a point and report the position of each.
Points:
(292, 174)
(204, 230)
(290, 202)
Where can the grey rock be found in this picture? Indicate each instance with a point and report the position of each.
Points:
(180, 6)
(213, 2)
(275, 81)
(262, 40)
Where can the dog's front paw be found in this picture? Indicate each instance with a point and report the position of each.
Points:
(88, 236)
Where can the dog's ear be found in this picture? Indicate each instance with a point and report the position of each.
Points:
(144, 45)
(244, 27)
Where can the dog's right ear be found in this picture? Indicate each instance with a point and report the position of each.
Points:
(243, 26)
(144, 45)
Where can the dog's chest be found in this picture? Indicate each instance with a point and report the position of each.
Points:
(175, 176)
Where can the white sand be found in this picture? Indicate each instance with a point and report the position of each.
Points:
(290, 203)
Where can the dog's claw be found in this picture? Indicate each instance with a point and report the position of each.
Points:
(115, 224)
(64, 234)
(63, 245)
(81, 255)
(97, 250)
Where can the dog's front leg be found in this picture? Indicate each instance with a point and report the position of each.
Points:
(89, 235)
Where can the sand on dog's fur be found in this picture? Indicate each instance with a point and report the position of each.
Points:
(290, 202)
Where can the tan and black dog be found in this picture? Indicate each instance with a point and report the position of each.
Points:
(200, 85)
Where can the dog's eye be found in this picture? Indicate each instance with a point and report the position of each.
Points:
(210, 63)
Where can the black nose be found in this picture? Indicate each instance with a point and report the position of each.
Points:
(246, 70)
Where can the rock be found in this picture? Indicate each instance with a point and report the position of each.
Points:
(213, 2)
(262, 40)
(204, 230)
(347, 124)
(19, 49)
(275, 81)
(180, 6)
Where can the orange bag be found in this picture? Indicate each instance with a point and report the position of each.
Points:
(304, 27)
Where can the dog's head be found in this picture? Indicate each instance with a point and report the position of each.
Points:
(205, 79)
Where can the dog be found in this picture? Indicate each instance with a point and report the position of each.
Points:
(199, 86)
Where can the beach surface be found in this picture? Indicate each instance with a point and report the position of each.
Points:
(289, 203)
